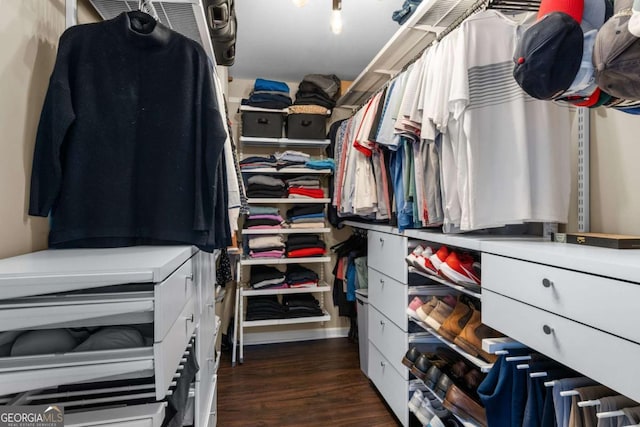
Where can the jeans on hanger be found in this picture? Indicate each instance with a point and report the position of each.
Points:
(402, 211)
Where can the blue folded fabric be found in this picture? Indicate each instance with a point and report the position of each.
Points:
(270, 85)
(321, 164)
(306, 216)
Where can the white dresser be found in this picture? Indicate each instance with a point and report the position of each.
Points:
(575, 304)
(170, 289)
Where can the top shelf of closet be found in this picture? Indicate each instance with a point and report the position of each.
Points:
(255, 141)
(422, 27)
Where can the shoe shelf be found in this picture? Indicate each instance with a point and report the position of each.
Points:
(445, 282)
(282, 200)
(275, 322)
(322, 287)
(282, 142)
(468, 242)
(299, 171)
(280, 261)
(481, 364)
(419, 384)
(427, 290)
(288, 231)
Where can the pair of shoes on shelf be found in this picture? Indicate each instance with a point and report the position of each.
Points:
(459, 268)
(420, 258)
(419, 310)
(471, 336)
(461, 404)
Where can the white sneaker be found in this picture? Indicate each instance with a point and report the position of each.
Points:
(424, 414)
(634, 20)
(413, 256)
(416, 401)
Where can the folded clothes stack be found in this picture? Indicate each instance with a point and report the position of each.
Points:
(305, 181)
(309, 109)
(321, 164)
(318, 89)
(265, 186)
(269, 94)
(266, 246)
(301, 305)
(304, 245)
(263, 276)
(292, 158)
(305, 193)
(308, 216)
(263, 210)
(298, 276)
(263, 222)
(255, 162)
(265, 307)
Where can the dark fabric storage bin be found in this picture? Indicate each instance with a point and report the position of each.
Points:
(307, 126)
(262, 124)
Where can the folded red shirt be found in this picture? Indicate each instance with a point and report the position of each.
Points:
(299, 253)
(316, 193)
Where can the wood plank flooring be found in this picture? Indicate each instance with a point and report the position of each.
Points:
(310, 383)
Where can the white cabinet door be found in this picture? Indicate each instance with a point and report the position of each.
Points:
(386, 254)
(389, 296)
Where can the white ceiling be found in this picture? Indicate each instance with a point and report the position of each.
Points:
(277, 40)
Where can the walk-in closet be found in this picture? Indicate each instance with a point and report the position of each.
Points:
(319, 213)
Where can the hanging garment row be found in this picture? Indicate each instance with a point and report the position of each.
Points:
(473, 151)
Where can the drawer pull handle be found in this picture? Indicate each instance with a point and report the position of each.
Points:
(547, 329)
(382, 282)
(382, 322)
(189, 276)
(381, 241)
(383, 364)
(547, 283)
(190, 318)
(211, 305)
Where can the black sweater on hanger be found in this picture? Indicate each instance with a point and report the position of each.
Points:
(130, 138)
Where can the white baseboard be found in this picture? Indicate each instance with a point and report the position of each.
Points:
(255, 338)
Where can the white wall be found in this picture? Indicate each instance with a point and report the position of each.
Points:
(615, 172)
(29, 32)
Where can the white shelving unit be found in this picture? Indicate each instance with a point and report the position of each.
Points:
(276, 322)
(445, 282)
(244, 291)
(281, 261)
(285, 201)
(297, 171)
(322, 230)
(322, 287)
(255, 141)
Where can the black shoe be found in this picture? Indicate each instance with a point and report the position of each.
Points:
(410, 357)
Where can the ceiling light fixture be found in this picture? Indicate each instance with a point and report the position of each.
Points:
(299, 3)
(336, 17)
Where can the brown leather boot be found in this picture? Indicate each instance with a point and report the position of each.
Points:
(456, 321)
(470, 339)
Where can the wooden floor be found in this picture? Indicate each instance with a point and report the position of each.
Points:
(310, 383)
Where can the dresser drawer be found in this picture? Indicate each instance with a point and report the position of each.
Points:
(160, 304)
(150, 415)
(390, 339)
(596, 301)
(171, 296)
(389, 296)
(18, 374)
(391, 385)
(386, 254)
(605, 358)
